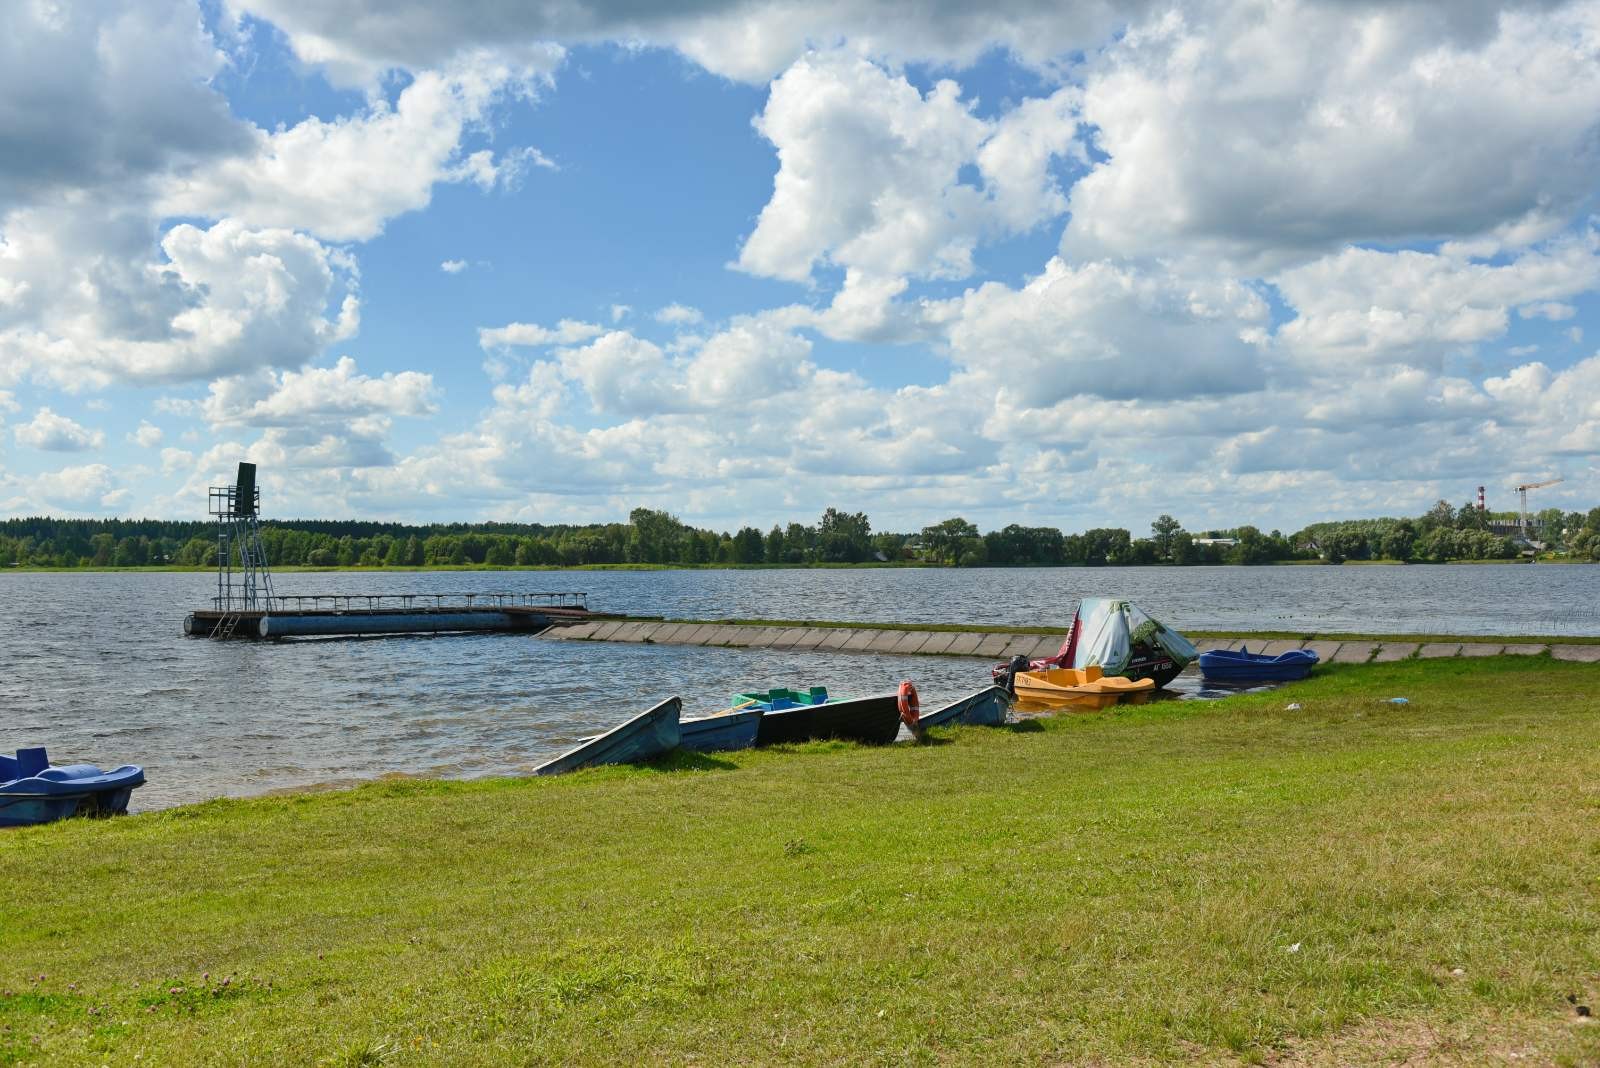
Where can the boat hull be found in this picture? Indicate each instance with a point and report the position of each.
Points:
(872, 720)
(986, 708)
(721, 733)
(1081, 688)
(41, 793)
(649, 734)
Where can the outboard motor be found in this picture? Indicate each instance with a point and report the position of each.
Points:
(1009, 679)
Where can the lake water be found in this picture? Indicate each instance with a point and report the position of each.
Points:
(95, 666)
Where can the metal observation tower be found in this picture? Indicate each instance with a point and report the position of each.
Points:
(244, 581)
(246, 607)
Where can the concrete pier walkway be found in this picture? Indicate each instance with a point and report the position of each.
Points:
(998, 646)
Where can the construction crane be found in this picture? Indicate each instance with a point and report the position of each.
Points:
(1522, 501)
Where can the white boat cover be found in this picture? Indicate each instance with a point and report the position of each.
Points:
(1108, 631)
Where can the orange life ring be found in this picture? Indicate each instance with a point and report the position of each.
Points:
(910, 707)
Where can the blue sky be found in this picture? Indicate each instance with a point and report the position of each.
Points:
(1233, 261)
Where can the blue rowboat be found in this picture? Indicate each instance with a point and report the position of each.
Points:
(1239, 665)
(644, 736)
(873, 720)
(32, 791)
(733, 729)
(986, 708)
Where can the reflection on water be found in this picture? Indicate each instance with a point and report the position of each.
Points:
(94, 665)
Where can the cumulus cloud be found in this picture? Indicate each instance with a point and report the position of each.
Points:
(1108, 330)
(57, 433)
(344, 179)
(85, 488)
(453, 266)
(1271, 132)
(530, 335)
(678, 315)
(749, 40)
(223, 300)
(321, 416)
(1370, 306)
(147, 436)
(322, 395)
(103, 97)
(870, 172)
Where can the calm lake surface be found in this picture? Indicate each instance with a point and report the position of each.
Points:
(95, 666)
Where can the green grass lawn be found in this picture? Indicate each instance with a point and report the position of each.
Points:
(1352, 882)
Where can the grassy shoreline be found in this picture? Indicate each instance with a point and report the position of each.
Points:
(1230, 881)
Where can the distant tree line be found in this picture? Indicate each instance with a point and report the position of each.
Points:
(658, 537)
(1445, 533)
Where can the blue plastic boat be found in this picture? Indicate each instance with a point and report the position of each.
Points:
(1240, 665)
(31, 791)
(986, 708)
(734, 729)
(646, 735)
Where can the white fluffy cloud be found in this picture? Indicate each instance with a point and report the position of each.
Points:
(1267, 132)
(679, 315)
(85, 488)
(224, 300)
(321, 417)
(318, 395)
(344, 179)
(1366, 306)
(57, 433)
(103, 96)
(870, 172)
(147, 436)
(530, 335)
(750, 40)
(1110, 331)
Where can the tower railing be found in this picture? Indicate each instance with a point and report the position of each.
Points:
(345, 603)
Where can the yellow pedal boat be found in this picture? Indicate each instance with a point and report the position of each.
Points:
(1083, 688)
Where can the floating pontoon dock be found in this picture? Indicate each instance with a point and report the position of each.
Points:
(246, 607)
(410, 613)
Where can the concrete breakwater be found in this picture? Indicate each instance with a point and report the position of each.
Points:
(989, 645)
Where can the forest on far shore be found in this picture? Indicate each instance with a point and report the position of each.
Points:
(1443, 533)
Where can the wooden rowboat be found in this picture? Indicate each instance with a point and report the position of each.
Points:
(873, 720)
(644, 736)
(734, 729)
(987, 707)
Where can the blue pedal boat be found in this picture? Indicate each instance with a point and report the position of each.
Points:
(722, 732)
(32, 791)
(646, 735)
(986, 708)
(1240, 665)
